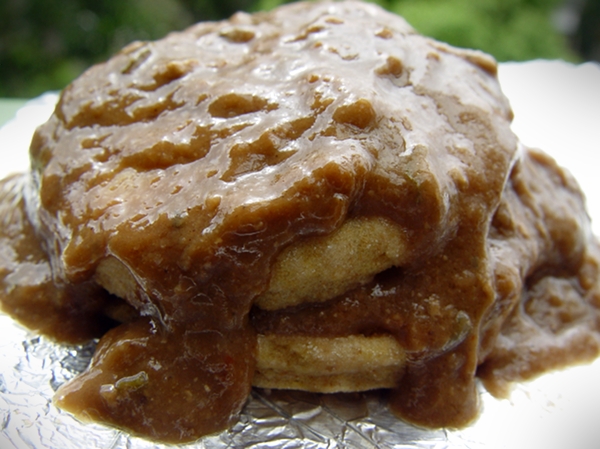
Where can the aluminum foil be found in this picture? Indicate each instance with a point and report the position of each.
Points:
(555, 411)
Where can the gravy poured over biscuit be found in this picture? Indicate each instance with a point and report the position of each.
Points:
(316, 198)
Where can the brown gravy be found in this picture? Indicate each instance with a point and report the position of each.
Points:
(191, 162)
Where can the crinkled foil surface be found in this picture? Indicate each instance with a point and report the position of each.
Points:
(557, 107)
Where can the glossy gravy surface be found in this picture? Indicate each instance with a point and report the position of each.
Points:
(191, 162)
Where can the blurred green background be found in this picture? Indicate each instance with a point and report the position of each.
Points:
(44, 44)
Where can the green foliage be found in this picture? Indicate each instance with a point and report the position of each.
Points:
(510, 30)
(46, 43)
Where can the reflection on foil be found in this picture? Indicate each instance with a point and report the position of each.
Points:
(34, 367)
(558, 410)
(539, 415)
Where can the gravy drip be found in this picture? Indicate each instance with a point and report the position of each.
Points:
(193, 160)
(69, 312)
